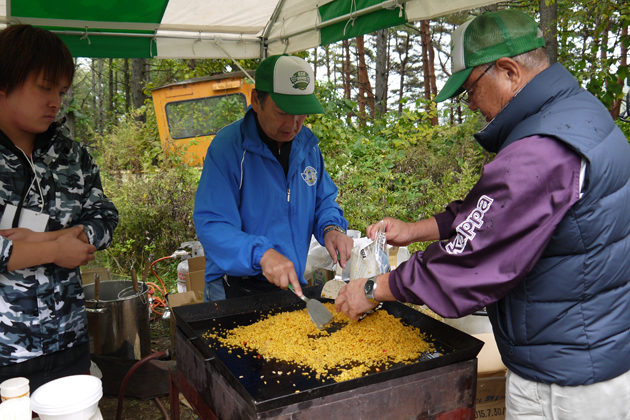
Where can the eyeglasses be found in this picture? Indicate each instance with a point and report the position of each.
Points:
(464, 96)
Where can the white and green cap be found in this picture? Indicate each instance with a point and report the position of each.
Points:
(290, 82)
(485, 39)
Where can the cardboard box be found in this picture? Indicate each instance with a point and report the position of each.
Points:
(180, 299)
(197, 264)
(195, 279)
(87, 275)
(320, 276)
(489, 361)
(490, 399)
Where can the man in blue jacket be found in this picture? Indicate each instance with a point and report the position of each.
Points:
(264, 190)
(541, 240)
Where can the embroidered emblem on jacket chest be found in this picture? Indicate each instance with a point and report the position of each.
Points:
(309, 175)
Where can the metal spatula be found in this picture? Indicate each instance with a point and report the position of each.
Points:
(316, 310)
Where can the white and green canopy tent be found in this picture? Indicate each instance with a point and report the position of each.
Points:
(238, 29)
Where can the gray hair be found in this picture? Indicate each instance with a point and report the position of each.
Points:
(534, 60)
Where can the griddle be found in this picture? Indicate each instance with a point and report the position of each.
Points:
(258, 380)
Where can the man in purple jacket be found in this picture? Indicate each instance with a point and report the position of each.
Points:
(541, 240)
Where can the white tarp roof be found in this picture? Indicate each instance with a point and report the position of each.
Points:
(241, 29)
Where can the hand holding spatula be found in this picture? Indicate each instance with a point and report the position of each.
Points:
(316, 310)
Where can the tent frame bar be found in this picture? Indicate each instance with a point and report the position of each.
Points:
(139, 35)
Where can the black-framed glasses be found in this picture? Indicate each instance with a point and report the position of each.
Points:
(464, 96)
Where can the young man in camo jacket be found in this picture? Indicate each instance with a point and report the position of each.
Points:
(54, 213)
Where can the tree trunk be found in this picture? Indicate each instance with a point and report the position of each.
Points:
(382, 51)
(549, 26)
(69, 115)
(127, 86)
(615, 107)
(110, 99)
(327, 49)
(360, 79)
(137, 84)
(99, 93)
(403, 65)
(345, 75)
(94, 96)
(366, 96)
(345, 72)
(315, 63)
(424, 40)
(428, 69)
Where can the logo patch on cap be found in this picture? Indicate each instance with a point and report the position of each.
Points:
(300, 80)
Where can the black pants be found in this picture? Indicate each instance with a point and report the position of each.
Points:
(236, 287)
(42, 369)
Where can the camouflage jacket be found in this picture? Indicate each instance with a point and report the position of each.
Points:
(42, 308)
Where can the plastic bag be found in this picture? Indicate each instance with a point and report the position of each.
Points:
(371, 259)
(318, 257)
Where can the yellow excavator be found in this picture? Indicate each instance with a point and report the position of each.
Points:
(191, 112)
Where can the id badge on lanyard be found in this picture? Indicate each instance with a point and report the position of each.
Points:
(35, 221)
(29, 219)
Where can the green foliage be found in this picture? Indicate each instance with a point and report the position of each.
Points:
(154, 195)
(625, 127)
(396, 166)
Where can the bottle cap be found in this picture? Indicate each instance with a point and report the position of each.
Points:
(14, 388)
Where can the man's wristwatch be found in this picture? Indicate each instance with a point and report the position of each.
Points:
(333, 227)
(369, 289)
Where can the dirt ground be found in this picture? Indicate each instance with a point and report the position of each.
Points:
(146, 409)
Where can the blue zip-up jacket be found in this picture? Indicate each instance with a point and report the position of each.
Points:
(245, 205)
(568, 321)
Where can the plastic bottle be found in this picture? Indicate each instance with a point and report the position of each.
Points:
(15, 388)
(182, 267)
(182, 270)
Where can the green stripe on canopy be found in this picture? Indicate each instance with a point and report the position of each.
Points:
(96, 16)
(144, 11)
(365, 24)
(110, 46)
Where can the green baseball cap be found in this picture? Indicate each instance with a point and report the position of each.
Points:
(485, 39)
(290, 82)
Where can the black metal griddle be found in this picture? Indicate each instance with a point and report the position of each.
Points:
(258, 380)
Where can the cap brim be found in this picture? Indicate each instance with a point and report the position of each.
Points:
(453, 86)
(297, 104)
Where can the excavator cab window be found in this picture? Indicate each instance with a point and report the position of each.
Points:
(204, 116)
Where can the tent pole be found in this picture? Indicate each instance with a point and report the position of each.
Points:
(217, 42)
(268, 27)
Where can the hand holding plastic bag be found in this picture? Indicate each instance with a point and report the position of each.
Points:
(371, 259)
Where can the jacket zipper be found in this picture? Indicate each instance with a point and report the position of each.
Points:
(288, 195)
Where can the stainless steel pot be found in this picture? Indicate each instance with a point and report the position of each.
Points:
(118, 322)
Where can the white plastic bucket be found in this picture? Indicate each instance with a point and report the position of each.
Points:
(70, 398)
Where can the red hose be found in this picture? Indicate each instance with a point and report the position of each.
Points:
(121, 394)
(163, 291)
(158, 302)
(162, 408)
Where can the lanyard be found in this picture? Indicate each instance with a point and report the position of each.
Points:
(34, 180)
